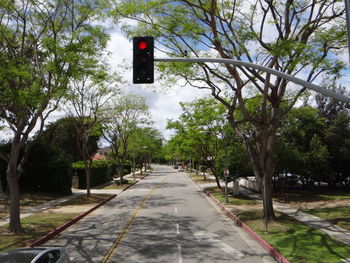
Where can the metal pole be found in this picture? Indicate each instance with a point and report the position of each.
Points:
(277, 73)
(347, 15)
(226, 191)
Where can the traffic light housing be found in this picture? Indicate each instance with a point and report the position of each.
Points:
(143, 60)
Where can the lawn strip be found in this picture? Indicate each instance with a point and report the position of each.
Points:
(339, 216)
(34, 226)
(84, 200)
(234, 200)
(311, 195)
(200, 178)
(27, 200)
(117, 186)
(38, 225)
(297, 242)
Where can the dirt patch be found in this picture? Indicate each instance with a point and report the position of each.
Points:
(68, 209)
(236, 210)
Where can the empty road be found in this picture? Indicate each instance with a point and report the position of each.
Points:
(163, 218)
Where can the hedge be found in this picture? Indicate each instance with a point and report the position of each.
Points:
(101, 172)
(47, 170)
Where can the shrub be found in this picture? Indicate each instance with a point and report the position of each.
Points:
(100, 172)
(47, 170)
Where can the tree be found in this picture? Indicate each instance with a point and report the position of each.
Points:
(145, 146)
(86, 97)
(337, 134)
(42, 45)
(300, 146)
(63, 135)
(290, 36)
(233, 156)
(201, 126)
(121, 116)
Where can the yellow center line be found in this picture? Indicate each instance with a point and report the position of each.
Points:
(113, 249)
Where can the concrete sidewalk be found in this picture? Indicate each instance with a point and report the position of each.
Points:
(338, 233)
(40, 208)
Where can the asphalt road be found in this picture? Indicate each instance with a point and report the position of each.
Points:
(163, 218)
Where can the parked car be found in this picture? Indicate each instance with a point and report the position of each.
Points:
(35, 255)
(181, 169)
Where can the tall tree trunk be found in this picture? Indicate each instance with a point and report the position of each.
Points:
(260, 152)
(12, 179)
(1, 190)
(121, 170)
(88, 165)
(88, 179)
(263, 168)
(213, 170)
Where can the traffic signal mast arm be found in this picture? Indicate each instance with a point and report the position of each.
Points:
(277, 73)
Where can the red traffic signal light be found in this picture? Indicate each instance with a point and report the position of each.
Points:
(143, 60)
(142, 44)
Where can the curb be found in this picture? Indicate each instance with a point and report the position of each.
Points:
(58, 230)
(274, 253)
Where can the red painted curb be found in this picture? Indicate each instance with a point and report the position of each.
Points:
(58, 230)
(275, 254)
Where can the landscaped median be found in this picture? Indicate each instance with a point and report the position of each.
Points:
(287, 239)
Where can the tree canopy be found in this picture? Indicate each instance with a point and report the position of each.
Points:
(42, 46)
(293, 36)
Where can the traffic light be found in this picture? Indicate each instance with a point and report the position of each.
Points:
(143, 60)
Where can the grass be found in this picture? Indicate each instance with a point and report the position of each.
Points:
(200, 178)
(312, 195)
(339, 216)
(297, 242)
(37, 225)
(83, 200)
(34, 227)
(26, 200)
(234, 200)
(117, 185)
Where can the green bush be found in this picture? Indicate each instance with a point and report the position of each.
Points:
(47, 170)
(101, 172)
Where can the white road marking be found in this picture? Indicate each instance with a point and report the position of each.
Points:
(180, 252)
(177, 229)
(175, 209)
(213, 239)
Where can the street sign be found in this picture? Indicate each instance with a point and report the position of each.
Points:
(226, 173)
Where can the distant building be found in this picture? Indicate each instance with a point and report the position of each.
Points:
(102, 153)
